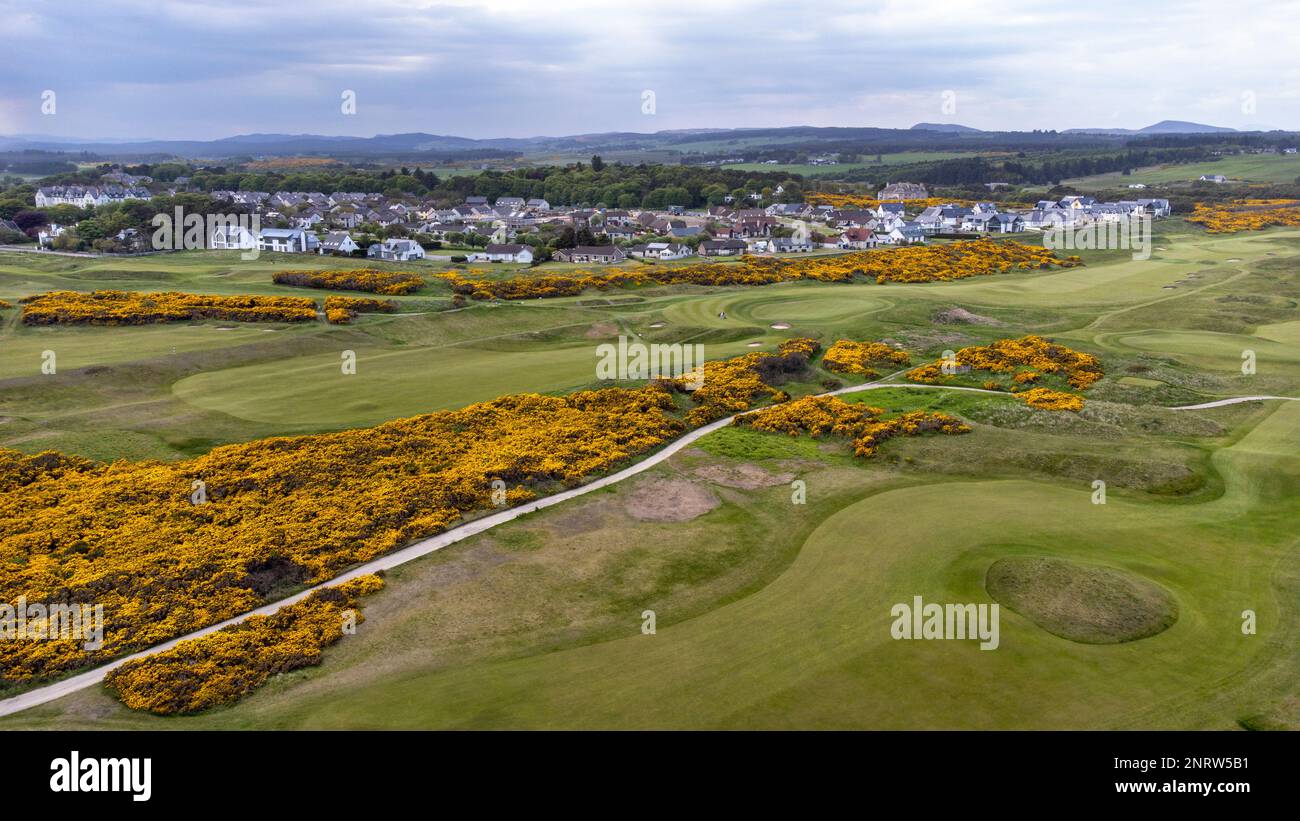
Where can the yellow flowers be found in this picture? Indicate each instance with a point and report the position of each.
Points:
(846, 356)
(1026, 359)
(340, 310)
(389, 283)
(820, 415)
(1046, 399)
(5, 304)
(222, 667)
(802, 345)
(1246, 215)
(170, 547)
(137, 308)
(913, 263)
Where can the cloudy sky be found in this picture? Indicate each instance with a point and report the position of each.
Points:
(479, 68)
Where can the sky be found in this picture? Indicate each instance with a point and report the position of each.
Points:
(173, 69)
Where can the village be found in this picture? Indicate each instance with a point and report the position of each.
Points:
(530, 231)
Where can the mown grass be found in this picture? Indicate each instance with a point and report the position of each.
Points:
(773, 614)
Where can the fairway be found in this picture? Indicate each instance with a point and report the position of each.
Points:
(771, 614)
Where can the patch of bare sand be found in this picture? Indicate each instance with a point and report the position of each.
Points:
(582, 518)
(601, 330)
(669, 500)
(961, 316)
(745, 476)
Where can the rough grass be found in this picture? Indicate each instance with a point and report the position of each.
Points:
(1087, 604)
(772, 614)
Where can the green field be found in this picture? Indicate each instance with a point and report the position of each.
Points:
(1249, 168)
(809, 170)
(769, 614)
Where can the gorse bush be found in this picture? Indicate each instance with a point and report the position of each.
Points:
(1025, 360)
(138, 308)
(861, 424)
(914, 263)
(223, 667)
(847, 356)
(341, 310)
(1245, 215)
(170, 547)
(389, 283)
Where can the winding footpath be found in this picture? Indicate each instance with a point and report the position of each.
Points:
(63, 687)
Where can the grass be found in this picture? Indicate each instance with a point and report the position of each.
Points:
(1257, 168)
(770, 614)
(809, 170)
(1087, 604)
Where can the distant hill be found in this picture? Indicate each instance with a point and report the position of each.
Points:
(419, 146)
(1162, 127)
(947, 128)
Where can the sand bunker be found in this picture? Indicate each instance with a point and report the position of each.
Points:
(746, 476)
(669, 500)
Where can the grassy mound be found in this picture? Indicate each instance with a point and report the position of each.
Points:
(1087, 604)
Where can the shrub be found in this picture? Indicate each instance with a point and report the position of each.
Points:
(223, 667)
(361, 279)
(341, 310)
(916, 263)
(137, 308)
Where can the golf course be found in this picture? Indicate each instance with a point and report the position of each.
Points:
(1145, 558)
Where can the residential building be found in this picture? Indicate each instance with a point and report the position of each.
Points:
(396, 250)
(903, 191)
(722, 248)
(504, 253)
(592, 254)
(287, 240)
(338, 242)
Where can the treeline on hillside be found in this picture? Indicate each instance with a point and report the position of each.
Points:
(581, 184)
(1023, 170)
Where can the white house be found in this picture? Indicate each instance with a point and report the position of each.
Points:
(48, 234)
(232, 238)
(858, 239)
(504, 253)
(87, 196)
(396, 250)
(287, 240)
(338, 242)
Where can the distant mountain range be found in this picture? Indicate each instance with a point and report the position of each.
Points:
(947, 128)
(1162, 127)
(704, 141)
